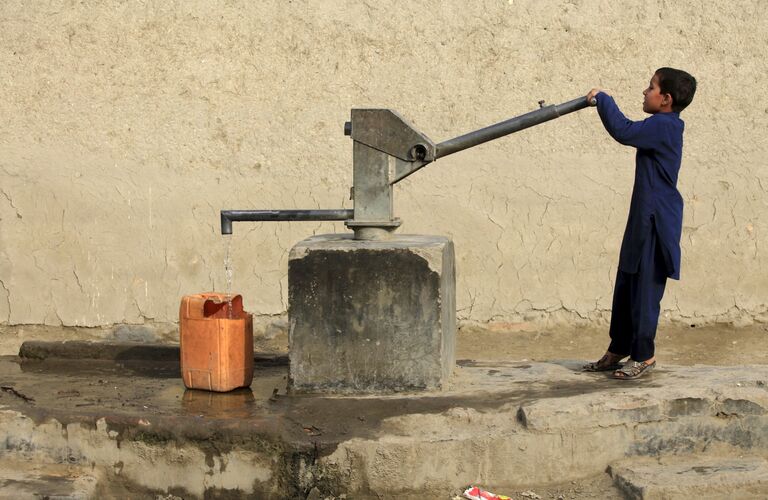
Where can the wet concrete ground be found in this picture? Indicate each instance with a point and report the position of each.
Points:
(137, 396)
(79, 383)
(131, 390)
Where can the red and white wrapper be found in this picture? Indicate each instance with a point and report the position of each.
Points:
(475, 493)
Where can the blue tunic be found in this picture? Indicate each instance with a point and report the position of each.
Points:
(656, 202)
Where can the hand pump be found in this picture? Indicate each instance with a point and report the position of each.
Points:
(386, 150)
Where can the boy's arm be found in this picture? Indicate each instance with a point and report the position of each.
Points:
(643, 134)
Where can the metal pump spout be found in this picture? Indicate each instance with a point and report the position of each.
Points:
(230, 216)
(387, 149)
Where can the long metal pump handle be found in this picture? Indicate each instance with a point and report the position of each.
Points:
(506, 127)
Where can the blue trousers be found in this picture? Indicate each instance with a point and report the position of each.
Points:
(636, 305)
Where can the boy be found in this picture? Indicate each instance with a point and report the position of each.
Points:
(650, 250)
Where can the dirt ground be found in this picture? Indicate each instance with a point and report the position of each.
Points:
(678, 344)
(675, 344)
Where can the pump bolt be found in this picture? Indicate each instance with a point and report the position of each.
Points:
(541, 103)
(418, 152)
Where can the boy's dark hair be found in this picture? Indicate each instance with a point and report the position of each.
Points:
(679, 84)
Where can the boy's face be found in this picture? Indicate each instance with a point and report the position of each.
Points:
(655, 101)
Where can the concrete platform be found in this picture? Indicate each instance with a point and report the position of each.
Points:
(681, 478)
(25, 476)
(506, 426)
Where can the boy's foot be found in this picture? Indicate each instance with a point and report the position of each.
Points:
(634, 369)
(608, 363)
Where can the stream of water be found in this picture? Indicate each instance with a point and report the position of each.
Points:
(228, 272)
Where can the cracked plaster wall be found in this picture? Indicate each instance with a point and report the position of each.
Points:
(125, 126)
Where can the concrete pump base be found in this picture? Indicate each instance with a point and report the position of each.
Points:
(371, 316)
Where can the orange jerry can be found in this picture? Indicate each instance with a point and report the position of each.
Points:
(216, 342)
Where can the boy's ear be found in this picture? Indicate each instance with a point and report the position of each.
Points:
(666, 99)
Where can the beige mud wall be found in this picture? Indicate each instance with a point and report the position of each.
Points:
(126, 126)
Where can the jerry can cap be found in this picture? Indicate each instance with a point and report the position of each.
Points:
(210, 305)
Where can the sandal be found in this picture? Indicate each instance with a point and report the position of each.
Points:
(633, 370)
(604, 364)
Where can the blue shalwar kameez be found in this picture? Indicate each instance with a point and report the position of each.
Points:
(650, 250)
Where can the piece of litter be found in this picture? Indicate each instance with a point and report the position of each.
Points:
(530, 494)
(475, 493)
(143, 422)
